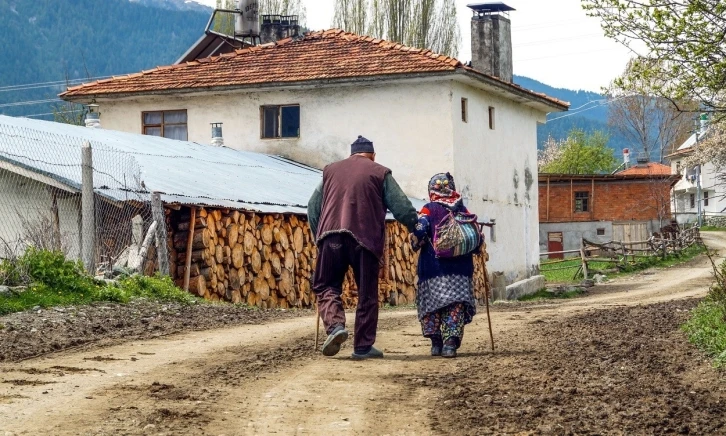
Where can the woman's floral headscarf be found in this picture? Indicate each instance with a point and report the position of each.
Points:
(443, 190)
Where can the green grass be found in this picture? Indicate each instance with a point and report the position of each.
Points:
(706, 329)
(52, 280)
(713, 229)
(566, 275)
(542, 294)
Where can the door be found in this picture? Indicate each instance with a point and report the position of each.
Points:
(633, 231)
(554, 243)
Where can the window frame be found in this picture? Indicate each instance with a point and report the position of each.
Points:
(279, 121)
(600, 231)
(584, 205)
(705, 198)
(464, 109)
(161, 126)
(692, 201)
(492, 115)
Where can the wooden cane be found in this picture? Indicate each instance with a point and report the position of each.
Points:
(317, 325)
(486, 298)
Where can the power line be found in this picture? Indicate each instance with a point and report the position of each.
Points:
(603, 102)
(31, 102)
(35, 85)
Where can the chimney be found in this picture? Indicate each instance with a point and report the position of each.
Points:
(93, 117)
(704, 124)
(491, 39)
(277, 27)
(626, 157)
(217, 139)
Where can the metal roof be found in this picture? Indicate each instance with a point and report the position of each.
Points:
(129, 166)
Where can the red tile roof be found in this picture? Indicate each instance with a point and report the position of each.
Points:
(318, 56)
(649, 169)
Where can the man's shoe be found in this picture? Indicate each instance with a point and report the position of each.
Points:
(374, 353)
(448, 351)
(331, 346)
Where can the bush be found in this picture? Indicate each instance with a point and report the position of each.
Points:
(52, 280)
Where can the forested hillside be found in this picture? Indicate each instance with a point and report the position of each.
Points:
(44, 40)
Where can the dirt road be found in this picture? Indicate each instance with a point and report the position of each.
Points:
(556, 369)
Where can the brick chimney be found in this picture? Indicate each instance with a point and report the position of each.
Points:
(491, 39)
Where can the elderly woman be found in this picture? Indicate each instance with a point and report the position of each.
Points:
(445, 297)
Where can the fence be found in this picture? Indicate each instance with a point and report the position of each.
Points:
(617, 254)
(83, 198)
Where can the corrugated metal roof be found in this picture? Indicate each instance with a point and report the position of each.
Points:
(183, 172)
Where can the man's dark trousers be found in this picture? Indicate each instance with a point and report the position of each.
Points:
(337, 252)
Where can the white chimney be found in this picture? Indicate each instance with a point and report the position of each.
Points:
(704, 124)
(626, 157)
(217, 139)
(93, 117)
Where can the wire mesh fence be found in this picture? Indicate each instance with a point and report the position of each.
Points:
(42, 203)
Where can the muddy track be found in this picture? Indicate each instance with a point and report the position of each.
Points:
(613, 362)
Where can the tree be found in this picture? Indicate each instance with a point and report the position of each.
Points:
(550, 152)
(223, 21)
(583, 154)
(428, 24)
(69, 113)
(684, 47)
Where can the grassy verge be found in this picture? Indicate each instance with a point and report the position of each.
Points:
(712, 229)
(566, 275)
(51, 280)
(706, 329)
(544, 294)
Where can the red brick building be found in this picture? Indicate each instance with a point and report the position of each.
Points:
(626, 206)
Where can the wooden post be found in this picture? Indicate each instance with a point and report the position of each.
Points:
(162, 253)
(592, 200)
(584, 262)
(572, 201)
(56, 220)
(548, 199)
(190, 243)
(88, 212)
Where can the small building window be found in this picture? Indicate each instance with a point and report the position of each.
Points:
(280, 121)
(678, 167)
(581, 201)
(491, 117)
(705, 198)
(167, 124)
(601, 232)
(465, 110)
(693, 201)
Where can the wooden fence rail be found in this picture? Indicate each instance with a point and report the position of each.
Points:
(623, 253)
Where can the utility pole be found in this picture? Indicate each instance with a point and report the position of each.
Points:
(698, 178)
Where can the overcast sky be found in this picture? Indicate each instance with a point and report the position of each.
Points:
(553, 41)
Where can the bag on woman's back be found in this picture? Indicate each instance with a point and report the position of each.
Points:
(456, 235)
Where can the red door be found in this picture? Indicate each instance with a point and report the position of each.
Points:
(554, 243)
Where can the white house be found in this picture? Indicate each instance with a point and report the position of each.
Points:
(686, 196)
(307, 98)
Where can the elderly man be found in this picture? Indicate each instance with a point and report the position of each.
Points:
(347, 215)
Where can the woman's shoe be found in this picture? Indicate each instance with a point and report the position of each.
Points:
(448, 351)
(436, 350)
(437, 343)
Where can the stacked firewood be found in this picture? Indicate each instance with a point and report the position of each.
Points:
(268, 260)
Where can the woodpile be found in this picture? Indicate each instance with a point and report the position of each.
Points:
(268, 260)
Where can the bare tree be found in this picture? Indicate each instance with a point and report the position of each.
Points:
(428, 24)
(653, 125)
(351, 15)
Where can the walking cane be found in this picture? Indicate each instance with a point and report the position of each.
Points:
(317, 324)
(489, 318)
(487, 288)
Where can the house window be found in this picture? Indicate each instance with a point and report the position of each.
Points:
(491, 117)
(581, 201)
(464, 110)
(168, 124)
(678, 167)
(693, 201)
(705, 198)
(601, 232)
(280, 121)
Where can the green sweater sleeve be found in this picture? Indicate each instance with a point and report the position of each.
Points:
(315, 205)
(398, 203)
